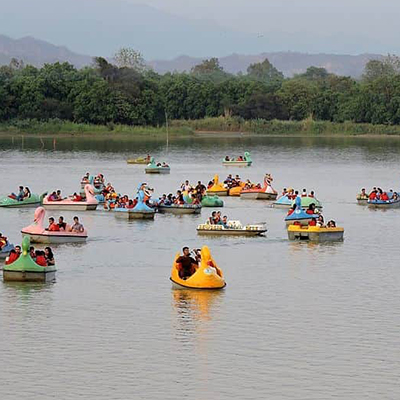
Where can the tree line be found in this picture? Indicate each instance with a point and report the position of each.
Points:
(126, 91)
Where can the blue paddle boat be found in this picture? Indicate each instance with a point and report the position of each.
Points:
(299, 215)
(393, 202)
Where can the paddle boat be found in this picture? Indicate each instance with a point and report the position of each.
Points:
(232, 228)
(393, 202)
(267, 192)
(141, 209)
(139, 160)
(90, 202)
(38, 234)
(287, 201)
(5, 250)
(33, 200)
(315, 233)
(212, 201)
(236, 190)
(207, 275)
(25, 269)
(299, 215)
(217, 188)
(153, 168)
(180, 208)
(245, 161)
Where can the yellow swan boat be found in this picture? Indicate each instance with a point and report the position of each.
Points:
(207, 275)
(235, 191)
(218, 188)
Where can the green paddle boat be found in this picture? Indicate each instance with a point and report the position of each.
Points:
(33, 200)
(212, 201)
(24, 269)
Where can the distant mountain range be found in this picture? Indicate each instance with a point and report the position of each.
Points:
(38, 52)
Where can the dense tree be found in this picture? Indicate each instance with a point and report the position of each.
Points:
(264, 71)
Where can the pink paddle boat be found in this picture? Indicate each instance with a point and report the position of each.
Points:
(38, 234)
(264, 193)
(90, 202)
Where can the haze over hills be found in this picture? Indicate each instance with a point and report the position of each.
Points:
(38, 52)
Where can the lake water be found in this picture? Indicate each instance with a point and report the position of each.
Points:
(296, 320)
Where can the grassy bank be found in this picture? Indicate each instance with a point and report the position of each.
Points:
(275, 127)
(218, 125)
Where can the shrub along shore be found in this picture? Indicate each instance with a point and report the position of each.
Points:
(216, 126)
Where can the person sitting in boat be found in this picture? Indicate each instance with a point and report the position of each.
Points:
(395, 196)
(58, 196)
(40, 258)
(200, 188)
(20, 195)
(27, 193)
(292, 209)
(210, 184)
(168, 200)
(373, 195)
(186, 186)
(187, 264)
(32, 252)
(77, 227)
(240, 158)
(313, 222)
(218, 217)
(311, 209)
(179, 198)
(165, 165)
(61, 224)
(76, 197)
(284, 191)
(49, 256)
(212, 219)
(363, 195)
(304, 193)
(3, 241)
(228, 179)
(311, 194)
(224, 221)
(227, 158)
(196, 199)
(384, 196)
(12, 257)
(331, 224)
(53, 227)
(162, 200)
(320, 221)
(86, 178)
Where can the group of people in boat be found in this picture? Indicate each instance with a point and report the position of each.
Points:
(178, 199)
(61, 225)
(240, 158)
(98, 180)
(292, 194)
(163, 165)
(23, 193)
(216, 218)
(43, 258)
(378, 194)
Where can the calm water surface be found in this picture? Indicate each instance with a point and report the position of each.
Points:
(296, 321)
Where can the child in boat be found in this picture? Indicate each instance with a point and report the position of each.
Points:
(227, 158)
(77, 227)
(331, 224)
(212, 219)
(61, 224)
(179, 198)
(32, 252)
(40, 258)
(53, 227)
(48, 254)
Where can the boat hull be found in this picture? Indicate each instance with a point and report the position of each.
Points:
(70, 207)
(176, 285)
(217, 193)
(237, 163)
(231, 232)
(325, 235)
(55, 238)
(258, 196)
(135, 214)
(394, 204)
(362, 202)
(27, 276)
(180, 210)
(157, 170)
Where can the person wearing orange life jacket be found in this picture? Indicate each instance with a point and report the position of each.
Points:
(304, 194)
(292, 209)
(313, 222)
(13, 256)
(53, 227)
(384, 196)
(40, 258)
(372, 195)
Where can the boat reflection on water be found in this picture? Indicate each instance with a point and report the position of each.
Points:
(194, 306)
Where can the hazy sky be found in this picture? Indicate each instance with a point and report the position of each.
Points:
(358, 17)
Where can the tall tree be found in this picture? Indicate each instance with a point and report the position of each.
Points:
(264, 71)
(127, 57)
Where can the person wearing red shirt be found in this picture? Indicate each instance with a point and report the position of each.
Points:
(12, 257)
(52, 225)
(40, 258)
(313, 222)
